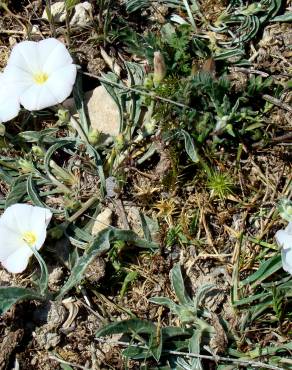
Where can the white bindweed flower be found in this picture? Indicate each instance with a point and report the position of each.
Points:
(9, 102)
(22, 227)
(284, 240)
(42, 72)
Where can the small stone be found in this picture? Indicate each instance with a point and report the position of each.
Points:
(103, 220)
(82, 16)
(55, 276)
(103, 113)
(58, 12)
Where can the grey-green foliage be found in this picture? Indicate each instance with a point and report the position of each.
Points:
(11, 295)
(149, 340)
(99, 245)
(134, 5)
(272, 294)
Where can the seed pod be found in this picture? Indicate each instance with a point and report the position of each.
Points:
(159, 68)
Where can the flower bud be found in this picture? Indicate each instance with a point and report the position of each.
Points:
(148, 81)
(119, 141)
(2, 129)
(25, 165)
(38, 151)
(71, 204)
(56, 232)
(159, 68)
(63, 116)
(285, 209)
(93, 136)
(150, 126)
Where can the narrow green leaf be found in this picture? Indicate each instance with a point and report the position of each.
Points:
(164, 301)
(11, 295)
(44, 278)
(17, 192)
(136, 326)
(190, 146)
(265, 270)
(100, 245)
(179, 286)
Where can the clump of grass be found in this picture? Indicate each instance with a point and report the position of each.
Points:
(220, 184)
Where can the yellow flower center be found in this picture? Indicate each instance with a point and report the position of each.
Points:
(40, 78)
(29, 237)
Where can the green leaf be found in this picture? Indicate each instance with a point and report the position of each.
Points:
(136, 326)
(130, 236)
(134, 5)
(44, 278)
(136, 353)
(98, 163)
(45, 136)
(79, 103)
(99, 245)
(190, 146)
(201, 292)
(265, 270)
(114, 93)
(47, 160)
(173, 331)
(130, 277)
(150, 227)
(36, 199)
(11, 295)
(251, 299)
(17, 192)
(179, 286)
(164, 301)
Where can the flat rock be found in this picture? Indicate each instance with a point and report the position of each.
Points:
(58, 12)
(82, 16)
(103, 220)
(102, 111)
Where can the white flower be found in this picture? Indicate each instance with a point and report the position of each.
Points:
(42, 72)
(9, 102)
(22, 227)
(284, 239)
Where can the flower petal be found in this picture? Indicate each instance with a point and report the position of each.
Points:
(53, 55)
(284, 239)
(37, 97)
(9, 242)
(10, 217)
(61, 82)
(17, 218)
(18, 261)
(9, 101)
(18, 78)
(25, 56)
(40, 218)
(289, 228)
(287, 260)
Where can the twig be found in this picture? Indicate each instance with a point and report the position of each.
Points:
(285, 137)
(248, 71)
(84, 208)
(153, 96)
(196, 355)
(277, 102)
(190, 15)
(16, 17)
(67, 363)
